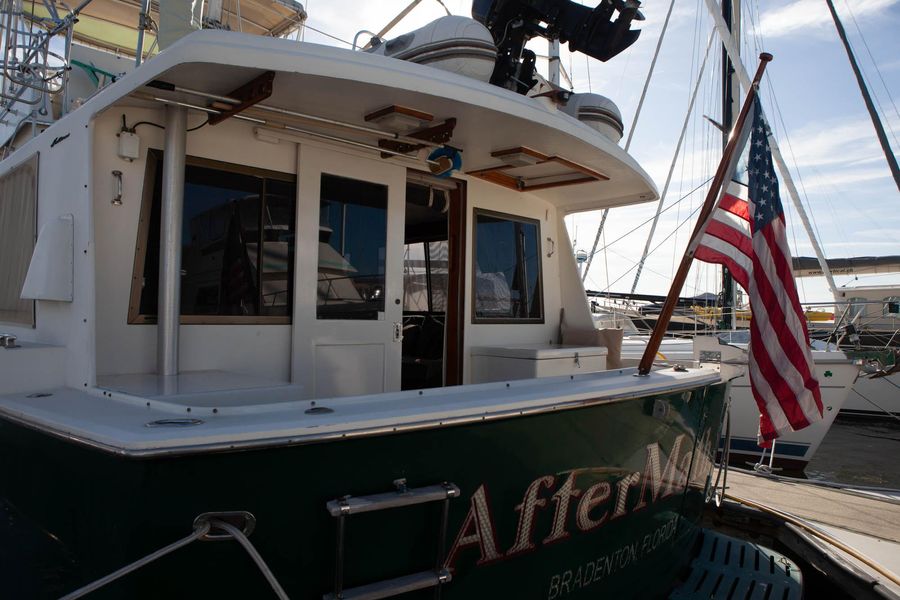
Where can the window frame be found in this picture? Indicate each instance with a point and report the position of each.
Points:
(154, 161)
(476, 320)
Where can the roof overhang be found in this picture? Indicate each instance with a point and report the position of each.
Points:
(345, 85)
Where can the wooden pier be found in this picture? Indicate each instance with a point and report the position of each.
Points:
(868, 524)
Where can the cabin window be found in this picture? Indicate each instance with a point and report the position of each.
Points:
(237, 253)
(352, 246)
(891, 307)
(507, 278)
(18, 203)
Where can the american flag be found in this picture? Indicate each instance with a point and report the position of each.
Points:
(746, 233)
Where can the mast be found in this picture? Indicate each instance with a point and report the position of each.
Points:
(553, 66)
(731, 11)
(876, 121)
(726, 167)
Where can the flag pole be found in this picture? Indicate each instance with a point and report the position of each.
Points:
(662, 323)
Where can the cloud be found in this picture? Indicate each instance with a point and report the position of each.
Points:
(837, 155)
(343, 19)
(805, 15)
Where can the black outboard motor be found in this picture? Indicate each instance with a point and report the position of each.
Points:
(601, 32)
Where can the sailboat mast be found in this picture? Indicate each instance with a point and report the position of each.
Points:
(876, 121)
(731, 13)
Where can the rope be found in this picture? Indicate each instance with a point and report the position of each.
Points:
(201, 530)
(872, 402)
(254, 554)
(818, 533)
(198, 533)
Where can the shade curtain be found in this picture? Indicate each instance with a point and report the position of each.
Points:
(18, 200)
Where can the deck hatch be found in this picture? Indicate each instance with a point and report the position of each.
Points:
(524, 170)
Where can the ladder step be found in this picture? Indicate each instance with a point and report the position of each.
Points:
(394, 587)
(353, 505)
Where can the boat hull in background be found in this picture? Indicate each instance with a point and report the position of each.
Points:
(836, 374)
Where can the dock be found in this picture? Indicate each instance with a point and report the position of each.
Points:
(867, 522)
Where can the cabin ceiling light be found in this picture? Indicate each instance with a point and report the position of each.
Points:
(519, 157)
(524, 169)
(400, 119)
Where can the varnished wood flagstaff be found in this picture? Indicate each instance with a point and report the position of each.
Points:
(709, 205)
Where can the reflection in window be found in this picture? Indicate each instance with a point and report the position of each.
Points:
(237, 256)
(507, 268)
(425, 277)
(352, 245)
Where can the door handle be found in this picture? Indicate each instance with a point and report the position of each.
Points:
(398, 332)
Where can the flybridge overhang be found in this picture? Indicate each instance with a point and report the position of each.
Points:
(345, 86)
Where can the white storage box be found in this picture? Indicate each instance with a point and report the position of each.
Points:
(501, 363)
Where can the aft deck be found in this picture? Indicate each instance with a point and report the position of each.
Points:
(197, 412)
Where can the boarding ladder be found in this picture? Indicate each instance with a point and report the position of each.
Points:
(402, 496)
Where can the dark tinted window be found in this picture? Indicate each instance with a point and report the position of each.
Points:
(507, 268)
(237, 253)
(352, 245)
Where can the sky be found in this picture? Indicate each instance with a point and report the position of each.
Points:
(810, 97)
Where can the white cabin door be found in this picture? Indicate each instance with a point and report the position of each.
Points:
(349, 291)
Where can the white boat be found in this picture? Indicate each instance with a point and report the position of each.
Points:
(215, 325)
(867, 327)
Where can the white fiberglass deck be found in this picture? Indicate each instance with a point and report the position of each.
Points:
(118, 422)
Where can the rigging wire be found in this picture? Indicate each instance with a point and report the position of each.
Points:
(328, 35)
(634, 122)
(805, 197)
(688, 114)
(640, 225)
(303, 28)
(877, 70)
(664, 240)
(587, 67)
(773, 98)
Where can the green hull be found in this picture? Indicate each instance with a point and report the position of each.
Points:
(76, 514)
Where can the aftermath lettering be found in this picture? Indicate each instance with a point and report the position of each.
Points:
(595, 506)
